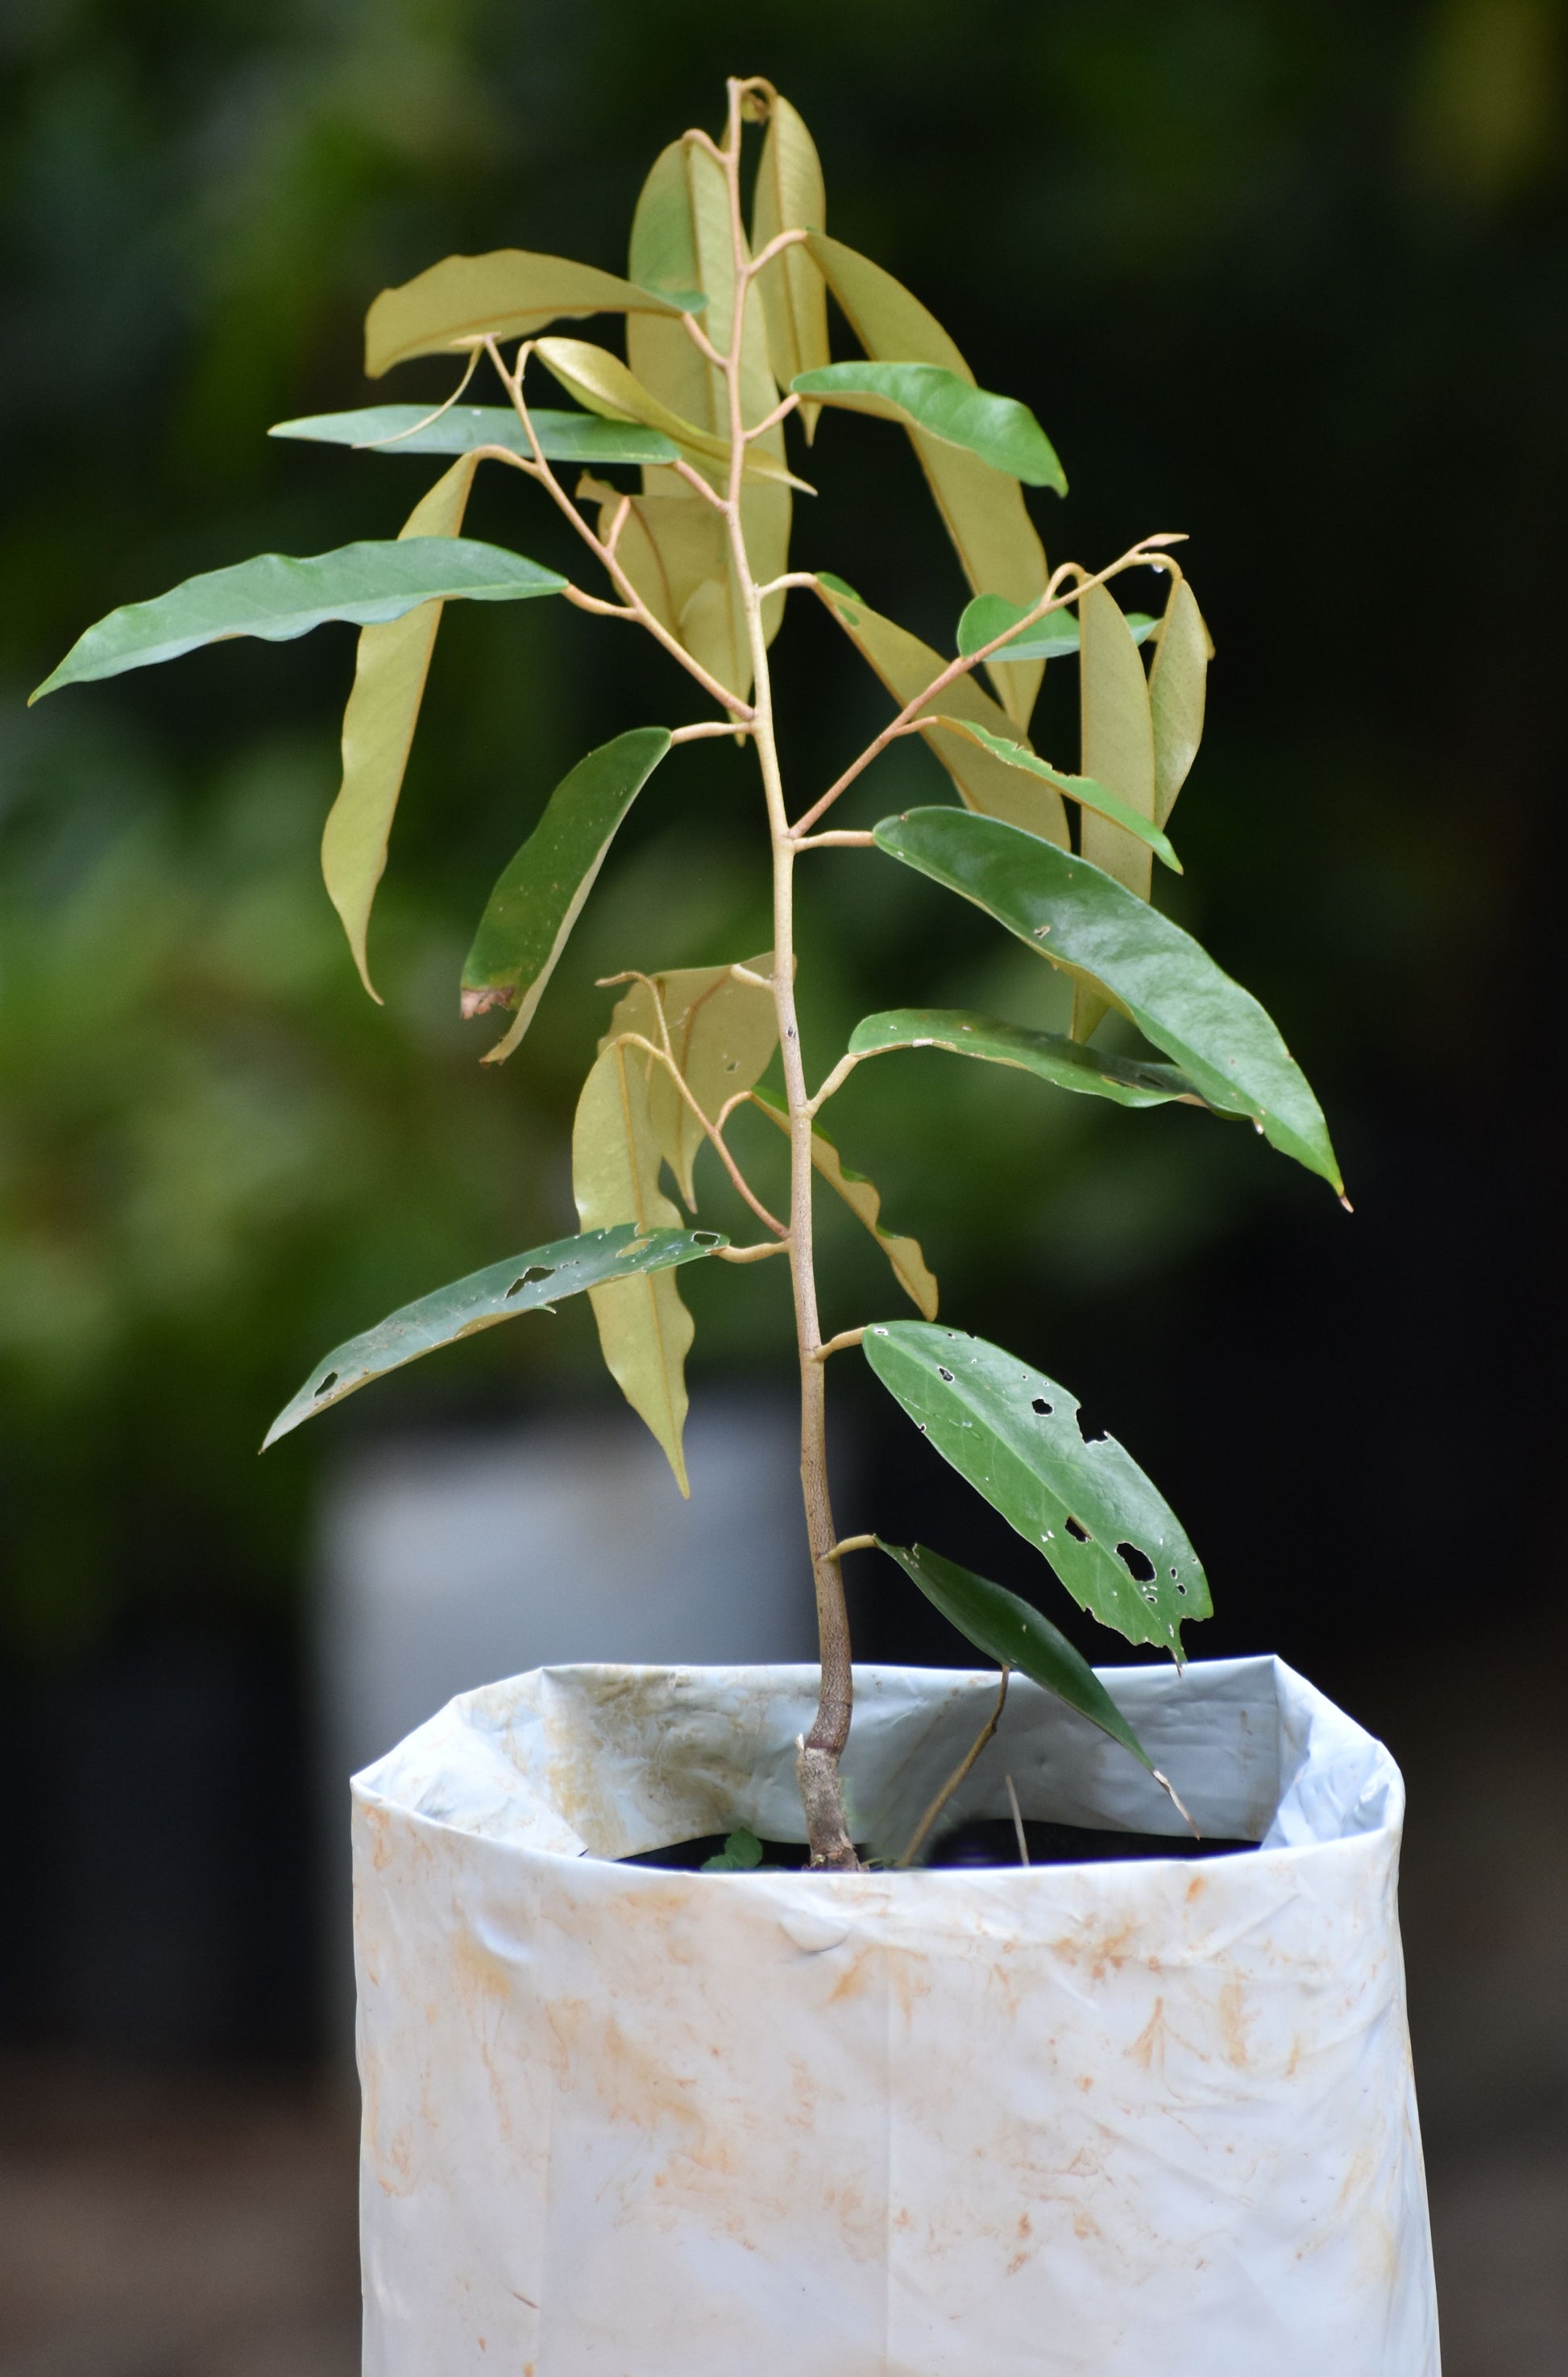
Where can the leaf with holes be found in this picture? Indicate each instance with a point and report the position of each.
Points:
(1051, 1056)
(603, 383)
(1086, 1506)
(789, 196)
(533, 1282)
(278, 598)
(1003, 433)
(724, 1029)
(1084, 922)
(1049, 638)
(906, 1262)
(539, 896)
(1096, 798)
(1012, 1631)
(508, 294)
(408, 429)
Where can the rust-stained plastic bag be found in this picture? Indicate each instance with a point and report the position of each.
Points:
(1141, 2119)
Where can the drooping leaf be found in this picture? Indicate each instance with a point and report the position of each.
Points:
(1050, 639)
(533, 1282)
(1111, 1537)
(1003, 433)
(723, 1029)
(1126, 1081)
(539, 896)
(391, 667)
(1083, 921)
(1096, 799)
(408, 429)
(602, 382)
(277, 597)
(1012, 1630)
(1117, 746)
(906, 666)
(983, 509)
(1177, 682)
(790, 195)
(907, 1264)
(645, 1330)
(506, 295)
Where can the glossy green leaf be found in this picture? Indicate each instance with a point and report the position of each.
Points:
(1177, 682)
(906, 1262)
(539, 896)
(603, 383)
(1048, 1055)
(722, 1027)
(1084, 1504)
(382, 711)
(1003, 433)
(1050, 639)
(1096, 798)
(408, 429)
(533, 1282)
(790, 195)
(278, 598)
(1091, 926)
(1012, 1630)
(906, 666)
(983, 509)
(506, 295)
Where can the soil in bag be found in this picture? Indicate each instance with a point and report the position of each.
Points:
(985, 1840)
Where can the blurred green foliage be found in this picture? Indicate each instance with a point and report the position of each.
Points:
(1286, 273)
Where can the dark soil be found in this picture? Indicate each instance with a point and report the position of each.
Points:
(986, 1841)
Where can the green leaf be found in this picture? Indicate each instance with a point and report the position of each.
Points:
(645, 1330)
(1003, 433)
(602, 382)
(1090, 926)
(1012, 1631)
(906, 1262)
(742, 1853)
(538, 897)
(906, 666)
(981, 509)
(1089, 795)
(533, 1282)
(789, 196)
(391, 667)
(278, 598)
(408, 429)
(1067, 1064)
(722, 1029)
(1050, 639)
(506, 295)
(1086, 1506)
(1177, 682)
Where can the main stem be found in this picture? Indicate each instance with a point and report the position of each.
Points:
(817, 1764)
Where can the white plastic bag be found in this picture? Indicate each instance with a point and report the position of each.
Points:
(1143, 2119)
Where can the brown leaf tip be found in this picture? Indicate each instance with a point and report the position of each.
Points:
(480, 1002)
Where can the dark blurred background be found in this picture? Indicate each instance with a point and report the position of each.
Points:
(1290, 275)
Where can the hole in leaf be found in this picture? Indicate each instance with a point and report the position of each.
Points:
(535, 1271)
(1043, 1408)
(1079, 1534)
(946, 1376)
(704, 1238)
(1139, 1566)
(329, 1380)
(1180, 1586)
(1090, 1429)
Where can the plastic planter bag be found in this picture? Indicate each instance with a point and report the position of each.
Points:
(1146, 2118)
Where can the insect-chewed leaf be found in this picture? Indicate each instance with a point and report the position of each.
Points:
(506, 295)
(602, 382)
(1049, 638)
(1011, 1630)
(1098, 799)
(905, 666)
(645, 1330)
(409, 429)
(1003, 433)
(533, 1282)
(790, 197)
(278, 598)
(1177, 682)
(1013, 1434)
(1049, 1054)
(1083, 921)
(907, 1264)
(539, 896)
(981, 509)
(724, 1027)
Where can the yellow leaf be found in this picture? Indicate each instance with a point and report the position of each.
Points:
(1177, 682)
(506, 295)
(984, 782)
(378, 722)
(790, 195)
(602, 382)
(723, 1031)
(983, 509)
(1117, 746)
(903, 1254)
(645, 1330)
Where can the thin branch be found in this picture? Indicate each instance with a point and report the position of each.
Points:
(370, 445)
(790, 577)
(836, 1079)
(703, 343)
(662, 1056)
(776, 245)
(770, 420)
(842, 840)
(706, 727)
(698, 483)
(758, 1253)
(597, 603)
(701, 140)
(840, 1344)
(853, 1543)
(957, 1777)
(1017, 1821)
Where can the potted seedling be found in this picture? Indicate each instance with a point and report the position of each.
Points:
(835, 2108)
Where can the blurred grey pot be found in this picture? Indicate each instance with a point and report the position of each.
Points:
(1153, 2116)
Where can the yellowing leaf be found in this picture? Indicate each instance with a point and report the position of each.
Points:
(506, 295)
(903, 1254)
(383, 709)
(645, 1330)
(602, 382)
(1176, 684)
(1118, 745)
(723, 1031)
(790, 195)
(984, 511)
